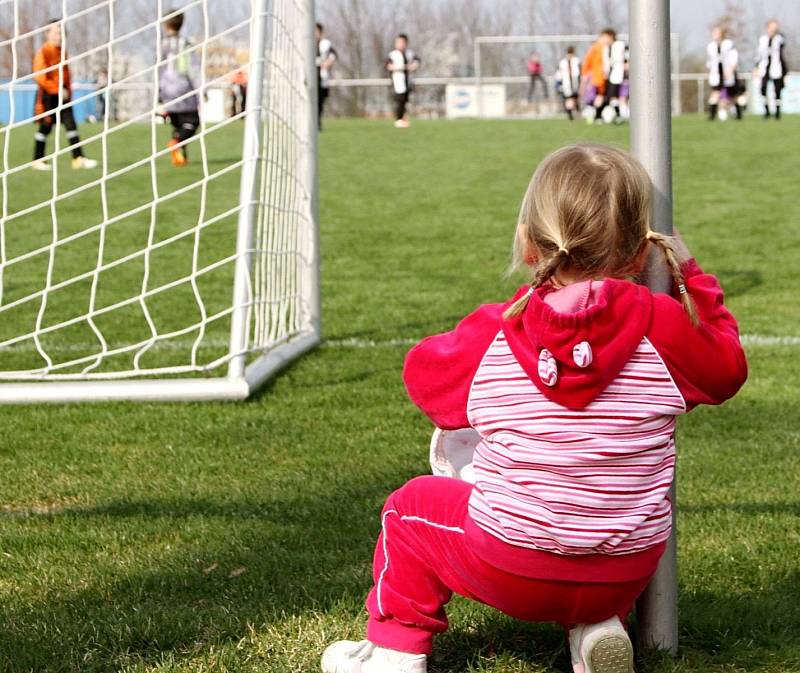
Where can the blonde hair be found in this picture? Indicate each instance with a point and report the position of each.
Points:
(587, 209)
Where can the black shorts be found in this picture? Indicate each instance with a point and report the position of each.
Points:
(187, 120)
(48, 102)
(612, 90)
(731, 90)
(777, 83)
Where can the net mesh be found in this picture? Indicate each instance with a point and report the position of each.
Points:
(128, 269)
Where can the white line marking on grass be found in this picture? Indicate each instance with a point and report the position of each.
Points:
(368, 343)
(761, 340)
(348, 343)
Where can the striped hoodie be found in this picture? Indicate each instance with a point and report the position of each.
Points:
(575, 401)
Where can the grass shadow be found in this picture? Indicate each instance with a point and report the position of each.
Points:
(276, 562)
(739, 282)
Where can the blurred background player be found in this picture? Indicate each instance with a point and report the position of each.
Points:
(722, 59)
(326, 57)
(535, 73)
(239, 90)
(594, 72)
(771, 66)
(176, 89)
(102, 96)
(401, 63)
(616, 63)
(55, 88)
(568, 78)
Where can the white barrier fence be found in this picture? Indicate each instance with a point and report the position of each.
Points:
(371, 97)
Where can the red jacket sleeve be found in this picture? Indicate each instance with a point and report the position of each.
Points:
(707, 362)
(438, 371)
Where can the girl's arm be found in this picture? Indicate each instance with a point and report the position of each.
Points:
(707, 362)
(438, 371)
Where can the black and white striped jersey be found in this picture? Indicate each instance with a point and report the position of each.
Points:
(722, 59)
(770, 59)
(401, 77)
(569, 75)
(615, 57)
(325, 52)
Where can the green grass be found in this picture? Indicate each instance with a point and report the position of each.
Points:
(125, 201)
(238, 537)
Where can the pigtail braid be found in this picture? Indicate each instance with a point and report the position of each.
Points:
(544, 272)
(664, 243)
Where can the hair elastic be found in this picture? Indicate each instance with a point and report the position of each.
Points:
(563, 251)
(682, 288)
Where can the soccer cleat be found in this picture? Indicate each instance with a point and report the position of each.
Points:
(79, 163)
(401, 124)
(348, 656)
(178, 157)
(41, 165)
(601, 648)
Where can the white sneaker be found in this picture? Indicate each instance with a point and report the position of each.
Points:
(41, 165)
(401, 124)
(83, 162)
(349, 656)
(601, 648)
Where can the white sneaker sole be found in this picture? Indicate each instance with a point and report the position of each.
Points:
(610, 654)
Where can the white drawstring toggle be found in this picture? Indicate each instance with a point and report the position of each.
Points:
(582, 354)
(548, 369)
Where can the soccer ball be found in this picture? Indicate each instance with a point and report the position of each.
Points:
(723, 115)
(609, 114)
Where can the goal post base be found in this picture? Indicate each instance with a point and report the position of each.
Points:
(161, 390)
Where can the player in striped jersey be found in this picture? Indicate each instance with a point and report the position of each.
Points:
(574, 386)
(568, 79)
(771, 66)
(722, 60)
(326, 57)
(401, 63)
(616, 71)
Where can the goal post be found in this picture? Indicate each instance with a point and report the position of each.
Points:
(651, 143)
(142, 279)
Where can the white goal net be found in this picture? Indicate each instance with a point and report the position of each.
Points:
(166, 247)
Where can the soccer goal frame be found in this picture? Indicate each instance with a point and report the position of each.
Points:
(254, 353)
(673, 73)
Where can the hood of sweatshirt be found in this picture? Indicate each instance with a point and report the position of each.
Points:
(573, 357)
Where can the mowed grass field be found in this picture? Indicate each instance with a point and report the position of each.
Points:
(238, 536)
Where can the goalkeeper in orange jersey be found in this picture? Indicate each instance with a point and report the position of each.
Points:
(177, 91)
(54, 96)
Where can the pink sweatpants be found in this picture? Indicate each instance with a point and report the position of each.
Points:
(421, 558)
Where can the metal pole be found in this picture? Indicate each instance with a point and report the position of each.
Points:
(651, 143)
(676, 68)
(478, 84)
(700, 97)
(248, 189)
(312, 276)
